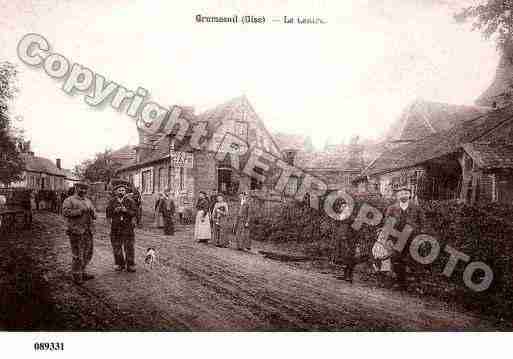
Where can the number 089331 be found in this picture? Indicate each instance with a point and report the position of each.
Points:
(48, 346)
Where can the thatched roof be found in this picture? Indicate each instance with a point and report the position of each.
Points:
(424, 118)
(495, 126)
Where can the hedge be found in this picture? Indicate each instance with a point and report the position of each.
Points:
(484, 233)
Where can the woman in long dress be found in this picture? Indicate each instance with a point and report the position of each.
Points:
(159, 219)
(202, 231)
(220, 222)
(180, 197)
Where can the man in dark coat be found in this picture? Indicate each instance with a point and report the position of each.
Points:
(405, 212)
(241, 226)
(211, 203)
(136, 196)
(167, 209)
(121, 212)
(80, 213)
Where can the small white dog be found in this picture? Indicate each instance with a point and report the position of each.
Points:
(151, 257)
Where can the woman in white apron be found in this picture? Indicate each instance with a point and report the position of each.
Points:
(202, 232)
(382, 251)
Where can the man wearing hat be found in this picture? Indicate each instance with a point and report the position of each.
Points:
(241, 226)
(80, 213)
(120, 212)
(405, 212)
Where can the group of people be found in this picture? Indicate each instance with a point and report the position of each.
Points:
(165, 209)
(387, 260)
(122, 215)
(213, 221)
(51, 200)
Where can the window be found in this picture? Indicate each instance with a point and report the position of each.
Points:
(146, 178)
(182, 178)
(170, 178)
(161, 180)
(468, 164)
(241, 129)
(256, 184)
(292, 186)
(224, 180)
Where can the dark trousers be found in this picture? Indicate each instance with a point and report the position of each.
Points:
(138, 216)
(399, 266)
(123, 248)
(81, 251)
(169, 226)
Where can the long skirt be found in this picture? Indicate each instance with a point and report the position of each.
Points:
(202, 231)
(159, 220)
(242, 237)
(169, 226)
(220, 234)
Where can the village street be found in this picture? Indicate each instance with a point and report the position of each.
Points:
(194, 287)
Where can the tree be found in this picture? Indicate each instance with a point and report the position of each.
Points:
(493, 18)
(102, 168)
(11, 163)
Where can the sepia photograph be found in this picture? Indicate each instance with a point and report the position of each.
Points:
(233, 167)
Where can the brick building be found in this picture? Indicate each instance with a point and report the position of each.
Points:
(162, 162)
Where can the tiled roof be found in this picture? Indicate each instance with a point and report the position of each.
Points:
(424, 118)
(490, 126)
(288, 141)
(489, 155)
(233, 109)
(125, 155)
(41, 165)
(333, 158)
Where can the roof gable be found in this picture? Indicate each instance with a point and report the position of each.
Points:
(240, 110)
(236, 110)
(41, 165)
(490, 155)
(424, 118)
(442, 143)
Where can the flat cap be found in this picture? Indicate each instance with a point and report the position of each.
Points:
(120, 183)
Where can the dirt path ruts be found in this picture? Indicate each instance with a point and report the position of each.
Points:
(201, 287)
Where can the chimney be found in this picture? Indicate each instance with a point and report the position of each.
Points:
(58, 163)
(290, 155)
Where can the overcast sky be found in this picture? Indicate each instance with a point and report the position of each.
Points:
(353, 75)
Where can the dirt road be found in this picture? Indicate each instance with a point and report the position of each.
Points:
(200, 287)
